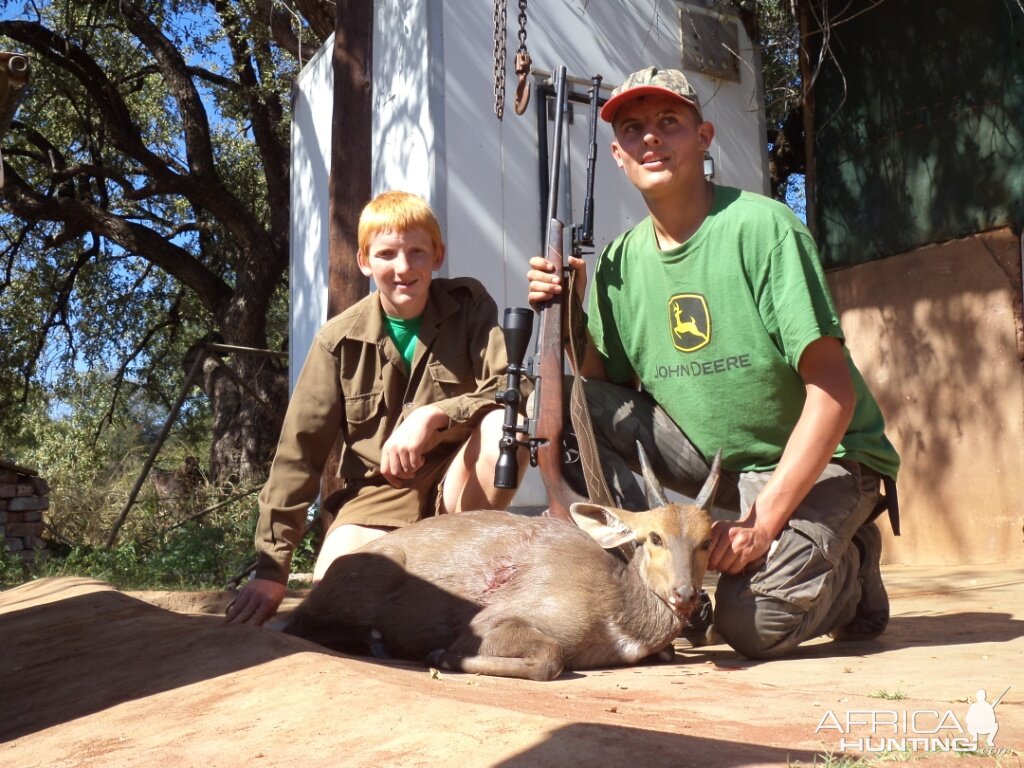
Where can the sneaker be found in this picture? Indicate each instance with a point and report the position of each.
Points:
(872, 613)
(699, 628)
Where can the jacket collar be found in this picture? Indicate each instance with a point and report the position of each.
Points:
(368, 319)
(440, 306)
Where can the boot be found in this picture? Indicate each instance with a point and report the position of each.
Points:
(872, 614)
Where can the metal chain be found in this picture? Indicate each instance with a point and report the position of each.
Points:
(500, 34)
(522, 26)
(523, 64)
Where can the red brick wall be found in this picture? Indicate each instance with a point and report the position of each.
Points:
(24, 496)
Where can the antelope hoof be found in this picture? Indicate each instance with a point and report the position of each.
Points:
(377, 648)
(436, 658)
(707, 637)
(664, 656)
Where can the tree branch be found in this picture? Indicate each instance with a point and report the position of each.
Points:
(266, 113)
(173, 69)
(80, 216)
(202, 186)
(169, 320)
(320, 15)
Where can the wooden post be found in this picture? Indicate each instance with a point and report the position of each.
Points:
(350, 183)
(810, 45)
(351, 150)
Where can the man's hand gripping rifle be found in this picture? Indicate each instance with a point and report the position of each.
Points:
(547, 367)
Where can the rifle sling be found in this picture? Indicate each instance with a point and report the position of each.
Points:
(579, 412)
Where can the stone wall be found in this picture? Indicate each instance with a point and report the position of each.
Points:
(24, 496)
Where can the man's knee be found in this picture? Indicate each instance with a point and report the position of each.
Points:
(489, 433)
(757, 626)
(343, 540)
(480, 449)
(470, 481)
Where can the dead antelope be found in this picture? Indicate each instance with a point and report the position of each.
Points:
(497, 593)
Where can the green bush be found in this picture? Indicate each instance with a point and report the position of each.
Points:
(91, 458)
(193, 557)
(201, 554)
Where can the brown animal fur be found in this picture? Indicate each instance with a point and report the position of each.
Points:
(503, 594)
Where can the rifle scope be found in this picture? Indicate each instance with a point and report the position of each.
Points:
(517, 327)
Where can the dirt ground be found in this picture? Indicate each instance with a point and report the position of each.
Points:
(90, 676)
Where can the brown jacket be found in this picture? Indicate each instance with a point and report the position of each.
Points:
(354, 384)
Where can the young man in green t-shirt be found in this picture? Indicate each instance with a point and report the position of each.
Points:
(711, 327)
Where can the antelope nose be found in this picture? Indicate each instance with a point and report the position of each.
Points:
(686, 593)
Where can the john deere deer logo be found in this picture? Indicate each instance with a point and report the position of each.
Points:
(689, 321)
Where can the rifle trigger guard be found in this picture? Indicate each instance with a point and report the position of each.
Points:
(523, 63)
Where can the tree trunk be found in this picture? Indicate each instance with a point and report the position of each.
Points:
(246, 418)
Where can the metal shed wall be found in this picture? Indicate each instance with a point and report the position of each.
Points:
(435, 133)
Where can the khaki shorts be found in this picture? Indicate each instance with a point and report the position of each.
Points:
(374, 502)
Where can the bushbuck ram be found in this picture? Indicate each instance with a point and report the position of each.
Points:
(497, 593)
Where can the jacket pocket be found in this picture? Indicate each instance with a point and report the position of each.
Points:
(362, 408)
(448, 383)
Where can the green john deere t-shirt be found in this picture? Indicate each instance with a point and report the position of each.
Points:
(715, 328)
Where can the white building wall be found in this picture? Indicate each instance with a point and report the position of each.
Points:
(435, 133)
(310, 210)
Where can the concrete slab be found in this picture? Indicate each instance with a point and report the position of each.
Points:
(95, 677)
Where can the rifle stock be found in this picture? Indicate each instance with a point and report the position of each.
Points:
(550, 368)
(550, 388)
(546, 424)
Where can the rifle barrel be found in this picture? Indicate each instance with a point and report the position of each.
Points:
(556, 160)
(994, 703)
(587, 229)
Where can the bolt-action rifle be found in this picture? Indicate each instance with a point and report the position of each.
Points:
(548, 364)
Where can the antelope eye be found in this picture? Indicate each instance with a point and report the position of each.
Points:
(655, 539)
(705, 546)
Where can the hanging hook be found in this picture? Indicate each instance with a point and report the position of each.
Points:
(523, 63)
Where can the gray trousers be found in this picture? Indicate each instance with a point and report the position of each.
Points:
(807, 586)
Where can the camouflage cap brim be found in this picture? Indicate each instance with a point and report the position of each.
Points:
(648, 82)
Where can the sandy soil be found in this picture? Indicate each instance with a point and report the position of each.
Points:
(95, 677)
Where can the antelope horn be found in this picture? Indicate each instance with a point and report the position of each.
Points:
(706, 497)
(652, 488)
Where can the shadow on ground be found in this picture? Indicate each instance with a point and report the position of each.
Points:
(593, 744)
(71, 657)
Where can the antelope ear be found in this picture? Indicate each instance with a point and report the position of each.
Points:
(605, 525)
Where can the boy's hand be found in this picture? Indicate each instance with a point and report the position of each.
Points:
(402, 454)
(256, 602)
(545, 281)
